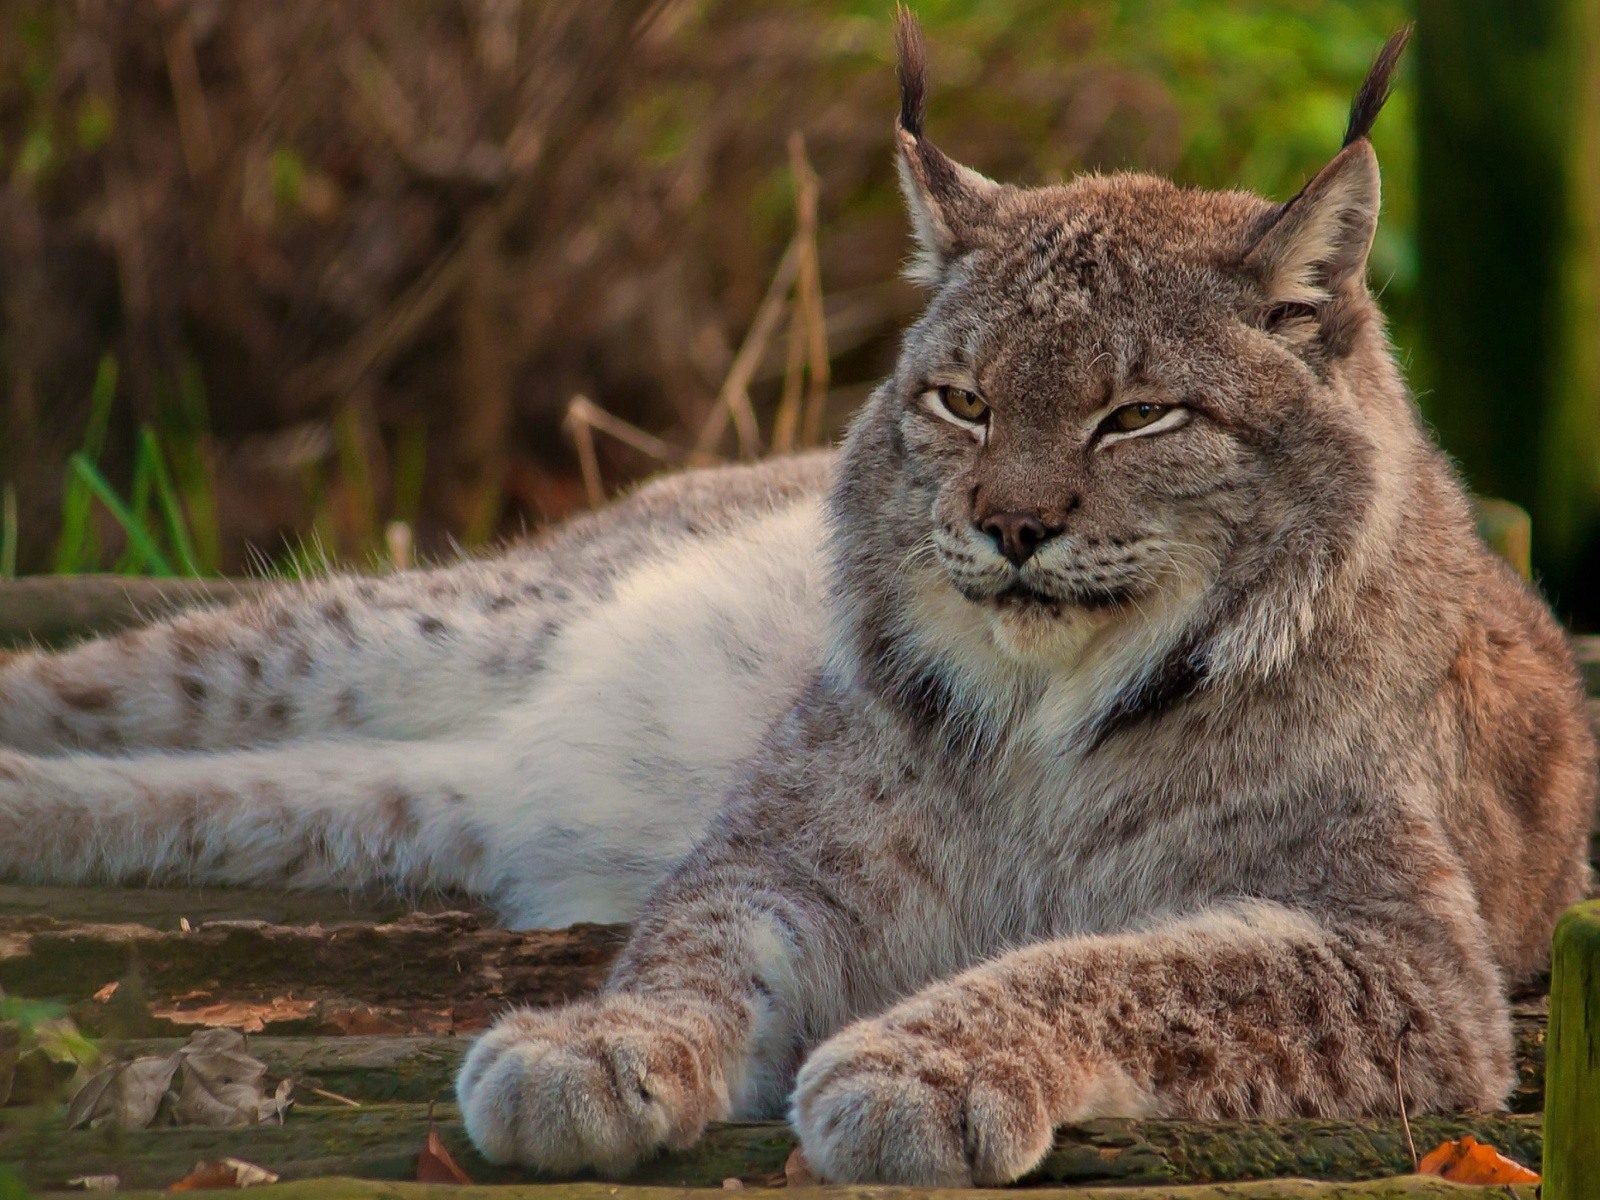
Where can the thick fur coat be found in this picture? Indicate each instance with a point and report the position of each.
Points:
(1126, 721)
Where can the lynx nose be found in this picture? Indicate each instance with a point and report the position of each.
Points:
(1017, 534)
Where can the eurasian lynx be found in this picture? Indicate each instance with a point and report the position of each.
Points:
(1128, 720)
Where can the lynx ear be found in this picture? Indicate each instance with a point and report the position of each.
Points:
(949, 204)
(1314, 254)
(1316, 249)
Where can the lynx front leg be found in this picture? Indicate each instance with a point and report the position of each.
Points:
(702, 1021)
(603, 1085)
(1254, 1011)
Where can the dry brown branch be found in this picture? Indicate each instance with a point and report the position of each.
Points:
(482, 425)
(593, 486)
(381, 95)
(786, 425)
(733, 400)
(189, 99)
(583, 417)
(591, 414)
(1400, 1097)
(808, 291)
(338, 374)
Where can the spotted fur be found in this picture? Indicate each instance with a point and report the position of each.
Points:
(1253, 779)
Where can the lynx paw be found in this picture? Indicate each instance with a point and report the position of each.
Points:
(877, 1103)
(600, 1085)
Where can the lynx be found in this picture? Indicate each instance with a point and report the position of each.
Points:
(1126, 720)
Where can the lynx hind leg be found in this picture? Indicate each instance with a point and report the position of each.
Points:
(336, 813)
(409, 655)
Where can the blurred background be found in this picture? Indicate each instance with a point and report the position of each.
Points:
(286, 283)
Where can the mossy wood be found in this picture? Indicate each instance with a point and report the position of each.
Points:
(1508, 530)
(166, 908)
(1410, 1187)
(383, 1141)
(1572, 1069)
(424, 973)
(422, 1067)
(444, 959)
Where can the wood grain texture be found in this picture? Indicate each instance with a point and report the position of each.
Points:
(382, 1142)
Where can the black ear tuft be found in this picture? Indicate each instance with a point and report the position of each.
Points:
(913, 71)
(1364, 109)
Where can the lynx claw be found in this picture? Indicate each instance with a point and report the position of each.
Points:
(603, 1086)
(877, 1105)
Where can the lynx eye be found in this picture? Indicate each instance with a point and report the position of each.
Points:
(963, 404)
(1136, 416)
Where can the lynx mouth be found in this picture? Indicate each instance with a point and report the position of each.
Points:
(1020, 597)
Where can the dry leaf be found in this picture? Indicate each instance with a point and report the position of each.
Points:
(94, 1183)
(107, 992)
(434, 1164)
(223, 1085)
(223, 1173)
(248, 1015)
(125, 1094)
(1468, 1160)
(797, 1171)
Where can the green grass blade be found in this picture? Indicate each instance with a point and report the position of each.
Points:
(186, 425)
(100, 398)
(103, 491)
(410, 470)
(133, 562)
(355, 474)
(8, 532)
(74, 527)
(167, 497)
(76, 546)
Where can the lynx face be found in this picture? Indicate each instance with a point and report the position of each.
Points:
(1128, 406)
(1081, 406)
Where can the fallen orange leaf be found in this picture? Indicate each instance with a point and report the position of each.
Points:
(224, 1173)
(249, 1016)
(1467, 1160)
(434, 1164)
(797, 1171)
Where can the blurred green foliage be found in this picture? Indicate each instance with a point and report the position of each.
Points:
(1253, 94)
(307, 229)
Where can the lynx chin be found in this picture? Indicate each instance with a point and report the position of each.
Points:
(1125, 720)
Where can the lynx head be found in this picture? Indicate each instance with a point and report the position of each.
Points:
(1131, 413)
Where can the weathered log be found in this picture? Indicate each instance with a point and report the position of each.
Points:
(382, 1142)
(422, 1067)
(432, 973)
(445, 959)
(53, 608)
(1408, 1187)
(165, 907)
(1508, 530)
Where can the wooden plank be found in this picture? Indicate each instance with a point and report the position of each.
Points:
(382, 1142)
(53, 608)
(1572, 1070)
(165, 907)
(438, 956)
(422, 1067)
(1410, 1187)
